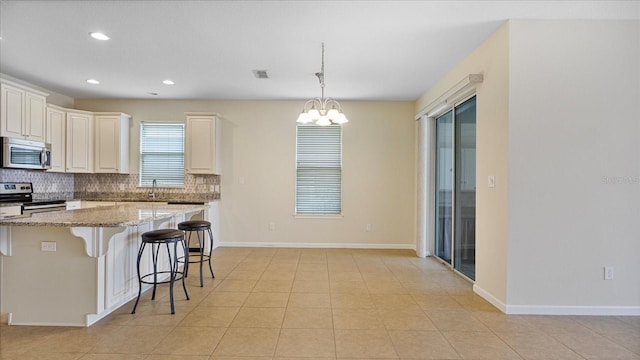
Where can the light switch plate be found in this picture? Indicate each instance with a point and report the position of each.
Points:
(491, 181)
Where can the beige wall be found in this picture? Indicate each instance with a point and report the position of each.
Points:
(259, 146)
(492, 112)
(574, 166)
(559, 128)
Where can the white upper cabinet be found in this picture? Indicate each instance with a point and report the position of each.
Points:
(79, 140)
(12, 111)
(35, 117)
(22, 112)
(202, 145)
(111, 143)
(56, 136)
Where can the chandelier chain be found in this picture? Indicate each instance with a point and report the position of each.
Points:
(322, 111)
(320, 74)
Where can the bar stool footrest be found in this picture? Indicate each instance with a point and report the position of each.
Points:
(178, 276)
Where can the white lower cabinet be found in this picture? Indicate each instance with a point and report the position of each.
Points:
(121, 283)
(212, 215)
(120, 265)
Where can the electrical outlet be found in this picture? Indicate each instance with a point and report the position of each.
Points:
(212, 188)
(48, 246)
(367, 227)
(121, 187)
(199, 180)
(272, 226)
(608, 272)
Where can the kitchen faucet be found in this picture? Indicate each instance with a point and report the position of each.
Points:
(152, 193)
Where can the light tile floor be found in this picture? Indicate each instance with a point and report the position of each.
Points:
(268, 303)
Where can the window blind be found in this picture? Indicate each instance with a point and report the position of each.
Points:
(318, 169)
(161, 153)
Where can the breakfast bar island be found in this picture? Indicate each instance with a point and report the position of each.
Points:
(74, 267)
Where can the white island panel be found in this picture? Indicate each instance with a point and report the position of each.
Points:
(49, 288)
(93, 270)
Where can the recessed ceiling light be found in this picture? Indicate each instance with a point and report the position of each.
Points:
(153, 93)
(168, 82)
(99, 36)
(93, 81)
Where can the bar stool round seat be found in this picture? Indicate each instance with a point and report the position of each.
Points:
(162, 236)
(202, 228)
(194, 225)
(157, 238)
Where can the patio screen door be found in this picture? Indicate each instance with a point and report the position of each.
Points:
(455, 187)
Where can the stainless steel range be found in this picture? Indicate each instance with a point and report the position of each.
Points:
(23, 193)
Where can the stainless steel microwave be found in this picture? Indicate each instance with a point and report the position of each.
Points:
(25, 154)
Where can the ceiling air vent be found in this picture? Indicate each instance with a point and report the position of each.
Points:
(261, 74)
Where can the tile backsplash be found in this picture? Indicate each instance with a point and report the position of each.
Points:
(43, 182)
(69, 184)
(88, 183)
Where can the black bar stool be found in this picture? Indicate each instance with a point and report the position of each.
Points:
(156, 238)
(199, 227)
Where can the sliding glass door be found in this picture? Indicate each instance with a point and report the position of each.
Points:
(444, 185)
(455, 187)
(465, 189)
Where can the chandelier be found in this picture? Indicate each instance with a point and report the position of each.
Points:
(323, 111)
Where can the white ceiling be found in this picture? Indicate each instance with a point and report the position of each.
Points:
(375, 50)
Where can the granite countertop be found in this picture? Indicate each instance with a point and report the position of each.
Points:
(105, 216)
(10, 204)
(144, 197)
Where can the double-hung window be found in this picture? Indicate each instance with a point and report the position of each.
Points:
(318, 170)
(161, 153)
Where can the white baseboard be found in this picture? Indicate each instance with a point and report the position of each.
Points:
(573, 310)
(11, 322)
(318, 245)
(490, 298)
(557, 309)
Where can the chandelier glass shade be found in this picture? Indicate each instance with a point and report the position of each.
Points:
(322, 111)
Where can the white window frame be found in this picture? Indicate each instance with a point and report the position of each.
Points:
(171, 179)
(329, 161)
